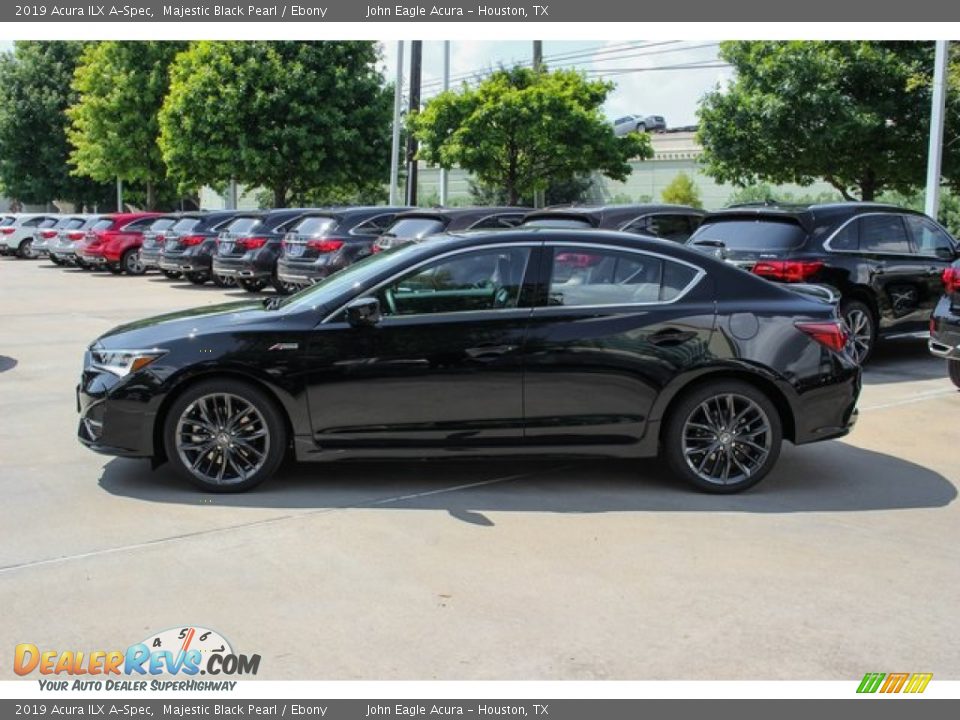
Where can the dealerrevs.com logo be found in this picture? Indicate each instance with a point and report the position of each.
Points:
(888, 683)
(185, 652)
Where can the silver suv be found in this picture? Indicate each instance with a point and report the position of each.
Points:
(638, 123)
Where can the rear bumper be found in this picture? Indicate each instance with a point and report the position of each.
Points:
(184, 263)
(309, 271)
(830, 411)
(945, 331)
(243, 267)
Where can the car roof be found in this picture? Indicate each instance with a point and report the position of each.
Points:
(808, 216)
(462, 217)
(610, 215)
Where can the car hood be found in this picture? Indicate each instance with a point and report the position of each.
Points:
(227, 317)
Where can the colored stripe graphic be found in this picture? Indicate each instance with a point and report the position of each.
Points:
(870, 682)
(894, 682)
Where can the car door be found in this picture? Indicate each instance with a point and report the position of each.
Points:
(611, 327)
(898, 276)
(936, 251)
(443, 366)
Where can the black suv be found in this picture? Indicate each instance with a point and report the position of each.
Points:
(415, 225)
(321, 243)
(249, 246)
(669, 222)
(886, 262)
(188, 246)
(945, 323)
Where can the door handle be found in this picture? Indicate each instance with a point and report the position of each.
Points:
(486, 353)
(934, 271)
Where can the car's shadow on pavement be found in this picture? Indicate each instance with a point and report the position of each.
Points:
(898, 361)
(831, 477)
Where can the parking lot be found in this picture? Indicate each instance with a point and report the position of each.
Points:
(843, 561)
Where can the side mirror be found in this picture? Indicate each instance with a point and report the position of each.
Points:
(364, 312)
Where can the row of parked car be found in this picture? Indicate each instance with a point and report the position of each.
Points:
(888, 266)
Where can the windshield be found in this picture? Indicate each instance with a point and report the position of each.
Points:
(185, 224)
(358, 275)
(557, 222)
(761, 235)
(414, 227)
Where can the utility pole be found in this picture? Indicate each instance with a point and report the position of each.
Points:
(232, 198)
(446, 86)
(539, 196)
(119, 195)
(937, 106)
(395, 144)
(416, 66)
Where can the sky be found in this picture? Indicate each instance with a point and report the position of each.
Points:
(641, 89)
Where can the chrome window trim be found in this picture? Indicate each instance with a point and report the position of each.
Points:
(474, 224)
(700, 273)
(450, 253)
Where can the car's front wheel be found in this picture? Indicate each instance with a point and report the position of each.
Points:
(723, 436)
(225, 435)
(953, 370)
(861, 327)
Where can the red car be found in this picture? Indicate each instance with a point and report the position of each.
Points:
(114, 242)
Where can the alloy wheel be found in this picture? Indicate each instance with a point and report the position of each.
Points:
(222, 439)
(858, 325)
(726, 439)
(133, 264)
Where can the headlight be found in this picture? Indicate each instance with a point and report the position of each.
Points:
(123, 362)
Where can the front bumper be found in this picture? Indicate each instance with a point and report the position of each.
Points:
(111, 422)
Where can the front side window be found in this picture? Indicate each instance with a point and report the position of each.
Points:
(883, 234)
(590, 276)
(488, 279)
(928, 238)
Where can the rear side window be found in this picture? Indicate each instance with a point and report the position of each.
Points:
(588, 276)
(928, 237)
(315, 225)
(7, 221)
(73, 223)
(415, 227)
(760, 235)
(669, 227)
(242, 224)
(141, 224)
(374, 226)
(163, 224)
(104, 224)
(883, 234)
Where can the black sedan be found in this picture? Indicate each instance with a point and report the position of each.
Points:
(493, 343)
(945, 323)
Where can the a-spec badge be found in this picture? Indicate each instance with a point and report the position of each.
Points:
(285, 346)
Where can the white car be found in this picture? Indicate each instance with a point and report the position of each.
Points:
(16, 238)
(45, 238)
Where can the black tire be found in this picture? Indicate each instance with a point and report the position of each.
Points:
(685, 445)
(131, 264)
(57, 261)
(953, 370)
(114, 268)
(170, 274)
(223, 281)
(25, 251)
(251, 285)
(184, 408)
(861, 323)
(282, 287)
(198, 278)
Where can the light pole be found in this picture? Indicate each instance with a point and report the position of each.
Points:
(446, 86)
(937, 106)
(395, 144)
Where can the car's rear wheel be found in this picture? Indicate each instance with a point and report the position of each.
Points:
(198, 278)
(224, 281)
(56, 261)
(131, 263)
(862, 328)
(170, 274)
(723, 436)
(251, 284)
(953, 370)
(25, 251)
(225, 435)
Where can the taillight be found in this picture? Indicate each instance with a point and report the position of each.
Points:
(191, 240)
(951, 280)
(787, 270)
(7, 230)
(325, 246)
(48, 234)
(251, 243)
(831, 333)
(75, 236)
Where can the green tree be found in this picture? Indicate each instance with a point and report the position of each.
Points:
(561, 191)
(682, 191)
(114, 126)
(524, 130)
(855, 114)
(35, 91)
(301, 119)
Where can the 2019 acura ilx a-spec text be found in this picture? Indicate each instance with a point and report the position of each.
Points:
(493, 343)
